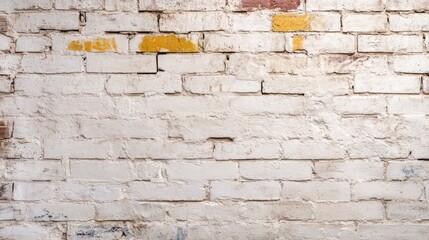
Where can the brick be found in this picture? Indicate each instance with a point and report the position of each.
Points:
(61, 212)
(121, 5)
(409, 22)
(266, 190)
(359, 105)
(250, 21)
(306, 85)
(426, 85)
(33, 191)
(9, 64)
(393, 231)
(32, 43)
(247, 150)
(386, 84)
(187, 63)
(349, 170)
(6, 190)
(167, 191)
(390, 43)
(101, 171)
(408, 170)
(354, 64)
(31, 85)
(130, 84)
(291, 22)
(89, 149)
(5, 43)
(79, 4)
(408, 105)
(411, 63)
(111, 63)
(278, 170)
(282, 5)
(37, 21)
(27, 231)
(245, 42)
(185, 22)
(287, 210)
(168, 150)
(5, 84)
(329, 43)
(87, 106)
(268, 104)
(316, 191)
(204, 211)
(378, 148)
(319, 231)
(181, 5)
(336, 5)
(129, 211)
(121, 22)
(51, 64)
(84, 192)
(364, 23)
(5, 129)
(4, 24)
(408, 211)
(202, 171)
(166, 43)
(11, 212)
(75, 43)
(18, 149)
(79, 231)
(311, 149)
(11, 104)
(149, 128)
(149, 170)
(31, 4)
(219, 83)
(410, 5)
(35, 170)
(343, 211)
(387, 190)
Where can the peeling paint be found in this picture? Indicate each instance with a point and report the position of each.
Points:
(167, 43)
(292, 22)
(94, 45)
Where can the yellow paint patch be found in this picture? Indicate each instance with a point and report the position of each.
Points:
(167, 43)
(297, 42)
(94, 45)
(292, 22)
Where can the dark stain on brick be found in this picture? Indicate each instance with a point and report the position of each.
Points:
(5, 191)
(3, 24)
(5, 132)
(283, 5)
(181, 234)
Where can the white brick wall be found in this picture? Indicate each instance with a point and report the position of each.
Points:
(220, 119)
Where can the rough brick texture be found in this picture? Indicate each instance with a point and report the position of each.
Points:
(214, 119)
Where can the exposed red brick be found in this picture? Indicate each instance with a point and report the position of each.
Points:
(5, 132)
(283, 5)
(3, 24)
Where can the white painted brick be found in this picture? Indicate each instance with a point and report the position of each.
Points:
(31, 4)
(278, 170)
(247, 150)
(101, 171)
(150, 170)
(143, 128)
(38, 85)
(129, 211)
(5, 43)
(192, 63)
(316, 22)
(268, 104)
(386, 84)
(387, 190)
(167, 191)
(364, 23)
(112, 63)
(266, 190)
(130, 84)
(51, 64)
(5, 84)
(371, 5)
(287, 210)
(61, 212)
(33, 191)
(218, 84)
(168, 150)
(121, 22)
(409, 22)
(35, 170)
(89, 106)
(378, 148)
(343, 211)
(32, 43)
(359, 105)
(202, 171)
(408, 210)
(316, 231)
(11, 212)
(408, 105)
(27, 231)
(250, 21)
(407, 5)
(185, 22)
(85, 192)
(108, 231)
(306, 85)
(354, 64)
(316, 191)
(312, 149)
(79, 4)
(411, 64)
(408, 170)
(244, 42)
(393, 231)
(19, 149)
(92, 149)
(25, 106)
(426, 85)
(9, 64)
(329, 43)
(178, 5)
(350, 170)
(116, 43)
(390, 43)
(121, 5)
(204, 211)
(36, 21)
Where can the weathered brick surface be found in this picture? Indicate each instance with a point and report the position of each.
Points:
(219, 119)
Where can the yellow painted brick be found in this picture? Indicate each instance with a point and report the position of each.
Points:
(297, 42)
(168, 43)
(94, 45)
(292, 22)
